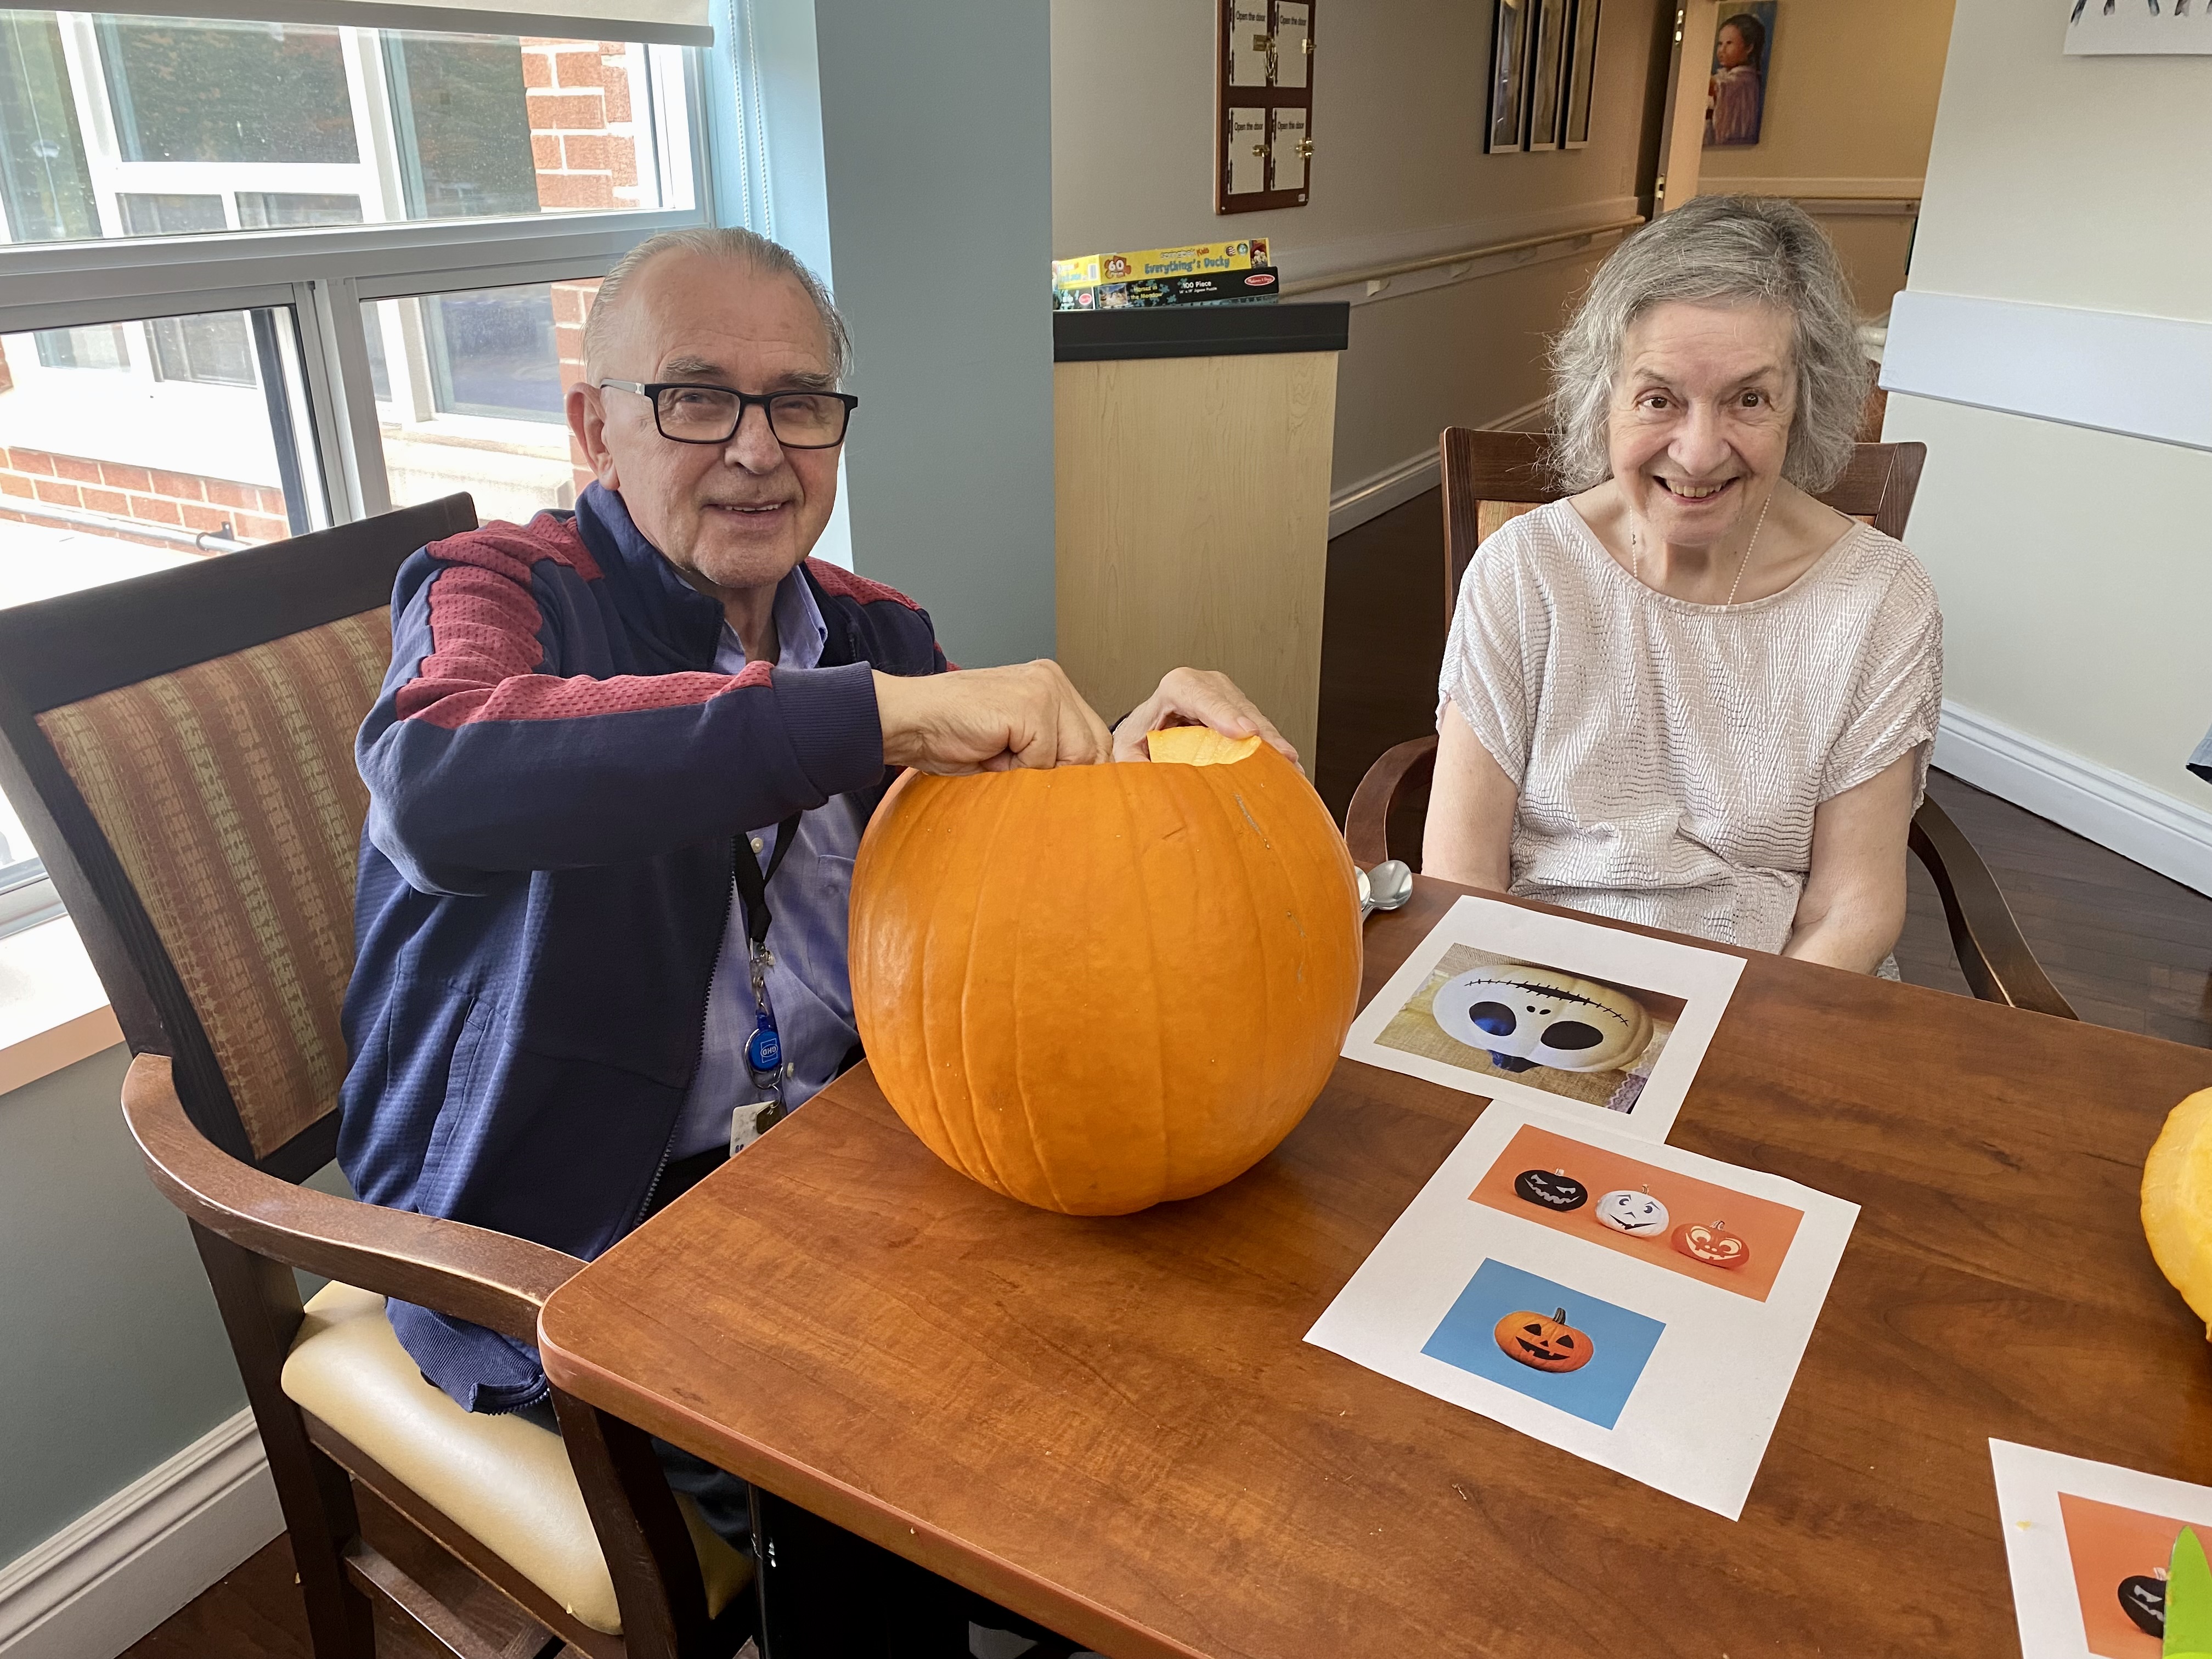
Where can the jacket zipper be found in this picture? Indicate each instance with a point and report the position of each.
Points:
(729, 904)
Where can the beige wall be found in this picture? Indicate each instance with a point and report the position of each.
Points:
(2074, 566)
(1399, 172)
(1850, 107)
(1851, 97)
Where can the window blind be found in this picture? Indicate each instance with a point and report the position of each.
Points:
(666, 22)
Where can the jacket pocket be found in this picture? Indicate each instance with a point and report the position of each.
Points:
(458, 1112)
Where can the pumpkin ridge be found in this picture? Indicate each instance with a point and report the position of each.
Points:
(991, 1174)
(1162, 1136)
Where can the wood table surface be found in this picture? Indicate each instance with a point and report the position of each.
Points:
(1114, 1427)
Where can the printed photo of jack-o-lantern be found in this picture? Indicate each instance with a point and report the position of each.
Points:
(1550, 1341)
(2119, 1555)
(1585, 1039)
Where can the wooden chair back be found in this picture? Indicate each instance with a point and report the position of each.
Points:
(180, 747)
(1492, 478)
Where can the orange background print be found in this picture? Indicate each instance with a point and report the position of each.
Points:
(2109, 1542)
(1766, 1226)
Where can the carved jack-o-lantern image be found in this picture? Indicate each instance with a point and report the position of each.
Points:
(1550, 1189)
(1637, 1214)
(1524, 1016)
(1715, 1246)
(1546, 1345)
(2144, 1599)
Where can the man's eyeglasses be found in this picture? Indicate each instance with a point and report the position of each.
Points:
(711, 414)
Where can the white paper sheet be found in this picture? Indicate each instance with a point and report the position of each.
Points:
(1284, 145)
(1683, 990)
(1689, 1363)
(2075, 1532)
(1293, 21)
(1248, 43)
(1248, 150)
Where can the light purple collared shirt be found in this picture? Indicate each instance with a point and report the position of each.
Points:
(810, 984)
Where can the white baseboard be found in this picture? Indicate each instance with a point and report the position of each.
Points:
(1372, 496)
(121, 1568)
(2153, 827)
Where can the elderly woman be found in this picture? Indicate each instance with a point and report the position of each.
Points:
(1691, 696)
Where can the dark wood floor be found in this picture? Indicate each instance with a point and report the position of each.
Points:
(2129, 948)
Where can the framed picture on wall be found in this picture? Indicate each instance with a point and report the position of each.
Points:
(1743, 56)
(1547, 41)
(1582, 70)
(1508, 75)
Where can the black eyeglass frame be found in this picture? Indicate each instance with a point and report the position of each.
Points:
(651, 391)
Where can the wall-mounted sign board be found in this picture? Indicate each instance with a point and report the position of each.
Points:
(1263, 105)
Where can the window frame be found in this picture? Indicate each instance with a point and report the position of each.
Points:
(323, 274)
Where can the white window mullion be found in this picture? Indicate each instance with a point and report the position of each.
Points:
(335, 352)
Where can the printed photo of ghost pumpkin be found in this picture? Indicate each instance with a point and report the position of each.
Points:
(1637, 1214)
(1550, 1189)
(1544, 1345)
(1715, 1246)
(1524, 1016)
(2143, 1598)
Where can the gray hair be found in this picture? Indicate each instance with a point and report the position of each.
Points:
(1717, 250)
(720, 242)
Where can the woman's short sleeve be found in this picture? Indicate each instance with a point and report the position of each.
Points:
(1493, 656)
(1899, 698)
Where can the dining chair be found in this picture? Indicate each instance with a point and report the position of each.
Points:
(1490, 478)
(180, 747)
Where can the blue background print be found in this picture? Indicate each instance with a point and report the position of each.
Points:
(1596, 1393)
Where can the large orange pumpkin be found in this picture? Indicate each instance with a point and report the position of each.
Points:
(1097, 987)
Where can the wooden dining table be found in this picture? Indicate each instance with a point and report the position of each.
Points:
(1114, 1427)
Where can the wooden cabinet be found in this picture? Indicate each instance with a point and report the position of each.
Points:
(1191, 473)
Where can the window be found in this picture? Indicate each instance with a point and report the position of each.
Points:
(326, 328)
(45, 186)
(175, 87)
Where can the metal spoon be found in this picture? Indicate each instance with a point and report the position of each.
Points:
(1385, 887)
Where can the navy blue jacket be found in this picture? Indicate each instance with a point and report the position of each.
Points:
(554, 777)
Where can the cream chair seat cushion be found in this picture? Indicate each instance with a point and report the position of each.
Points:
(504, 1479)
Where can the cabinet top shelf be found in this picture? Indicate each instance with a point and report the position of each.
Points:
(1085, 337)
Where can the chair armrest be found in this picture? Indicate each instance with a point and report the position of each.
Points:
(1367, 820)
(486, 1278)
(1993, 954)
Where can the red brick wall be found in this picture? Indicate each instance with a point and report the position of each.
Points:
(181, 500)
(577, 90)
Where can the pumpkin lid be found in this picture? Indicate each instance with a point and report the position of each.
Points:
(1199, 746)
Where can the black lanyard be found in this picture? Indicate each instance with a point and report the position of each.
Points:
(752, 881)
(764, 1061)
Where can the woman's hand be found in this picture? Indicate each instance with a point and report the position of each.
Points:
(1469, 835)
(1852, 908)
(1196, 696)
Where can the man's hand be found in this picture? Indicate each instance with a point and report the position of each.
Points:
(989, 720)
(1196, 696)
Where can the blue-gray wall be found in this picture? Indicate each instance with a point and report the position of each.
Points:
(936, 126)
(112, 1357)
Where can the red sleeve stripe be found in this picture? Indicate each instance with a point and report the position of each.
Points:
(838, 580)
(545, 697)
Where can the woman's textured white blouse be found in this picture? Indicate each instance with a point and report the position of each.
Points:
(1669, 756)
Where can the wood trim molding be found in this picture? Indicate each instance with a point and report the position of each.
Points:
(2075, 366)
(1833, 189)
(2154, 829)
(128, 1562)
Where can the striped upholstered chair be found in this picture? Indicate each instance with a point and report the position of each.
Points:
(180, 747)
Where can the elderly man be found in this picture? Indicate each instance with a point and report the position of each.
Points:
(617, 775)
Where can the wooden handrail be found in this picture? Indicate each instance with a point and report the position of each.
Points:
(1430, 261)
